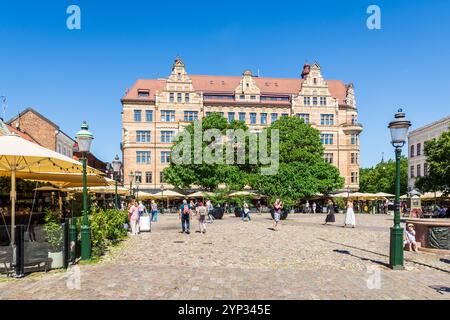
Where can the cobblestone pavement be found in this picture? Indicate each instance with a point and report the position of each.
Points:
(248, 260)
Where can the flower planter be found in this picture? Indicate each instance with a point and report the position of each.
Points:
(56, 260)
(218, 213)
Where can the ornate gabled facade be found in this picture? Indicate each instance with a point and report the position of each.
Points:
(154, 111)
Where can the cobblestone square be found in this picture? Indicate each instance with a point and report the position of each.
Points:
(247, 260)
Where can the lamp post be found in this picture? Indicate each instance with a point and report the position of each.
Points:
(131, 177)
(162, 196)
(138, 182)
(116, 164)
(399, 131)
(84, 139)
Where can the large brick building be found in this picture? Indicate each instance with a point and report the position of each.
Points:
(35, 127)
(155, 110)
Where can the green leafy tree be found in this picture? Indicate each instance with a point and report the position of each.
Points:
(381, 178)
(208, 176)
(302, 169)
(438, 159)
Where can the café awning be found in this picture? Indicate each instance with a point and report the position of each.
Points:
(18, 155)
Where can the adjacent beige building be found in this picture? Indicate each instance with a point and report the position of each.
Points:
(155, 110)
(417, 160)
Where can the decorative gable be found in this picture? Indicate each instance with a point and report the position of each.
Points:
(350, 95)
(247, 87)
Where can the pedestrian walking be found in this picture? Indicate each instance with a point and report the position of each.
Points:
(154, 208)
(330, 213)
(307, 207)
(133, 217)
(142, 209)
(277, 207)
(185, 216)
(202, 212)
(259, 207)
(246, 213)
(210, 208)
(314, 207)
(350, 215)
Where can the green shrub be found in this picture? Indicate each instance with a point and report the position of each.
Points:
(53, 231)
(106, 228)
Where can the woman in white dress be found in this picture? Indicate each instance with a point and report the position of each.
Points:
(350, 215)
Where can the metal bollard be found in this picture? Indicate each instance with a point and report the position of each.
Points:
(66, 242)
(19, 250)
(73, 240)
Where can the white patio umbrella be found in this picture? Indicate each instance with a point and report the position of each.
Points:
(386, 195)
(245, 194)
(168, 194)
(201, 194)
(19, 155)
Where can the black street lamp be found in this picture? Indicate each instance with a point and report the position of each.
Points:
(399, 132)
(130, 178)
(117, 165)
(84, 140)
(162, 196)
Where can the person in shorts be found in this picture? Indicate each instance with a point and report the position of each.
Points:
(277, 207)
(202, 212)
(410, 237)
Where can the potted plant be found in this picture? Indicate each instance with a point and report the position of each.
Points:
(54, 236)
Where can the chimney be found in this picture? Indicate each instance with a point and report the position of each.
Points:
(306, 70)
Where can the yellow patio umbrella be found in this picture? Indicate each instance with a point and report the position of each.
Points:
(18, 155)
(145, 195)
(103, 189)
(168, 194)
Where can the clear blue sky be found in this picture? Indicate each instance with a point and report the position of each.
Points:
(71, 76)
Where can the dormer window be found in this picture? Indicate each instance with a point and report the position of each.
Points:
(179, 76)
(143, 93)
(248, 85)
(315, 80)
(172, 97)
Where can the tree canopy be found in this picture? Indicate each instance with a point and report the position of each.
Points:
(303, 171)
(381, 178)
(437, 152)
(206, 175)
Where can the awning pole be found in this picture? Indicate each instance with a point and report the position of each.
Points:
(13, 203)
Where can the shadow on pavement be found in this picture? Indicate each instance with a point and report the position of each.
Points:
(384, 264)
(383, 255)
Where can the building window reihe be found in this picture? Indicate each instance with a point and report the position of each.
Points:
(167, 136)
(149, 115)
(241, 116)
(143, 157)
(148, 177)
(190, 116)
(167, 116)
(263, 117)
(137, 115)
(165, 156)
(273, 117)
(326, 138)
(252, 118)
(326, 120)
(304, 116)
(142, 136)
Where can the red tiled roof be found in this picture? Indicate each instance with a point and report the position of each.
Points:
(20, 133)
(227, 84)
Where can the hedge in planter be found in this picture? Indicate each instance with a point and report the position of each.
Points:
(217, 213)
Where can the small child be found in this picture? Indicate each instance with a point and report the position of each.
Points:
(410, 237)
